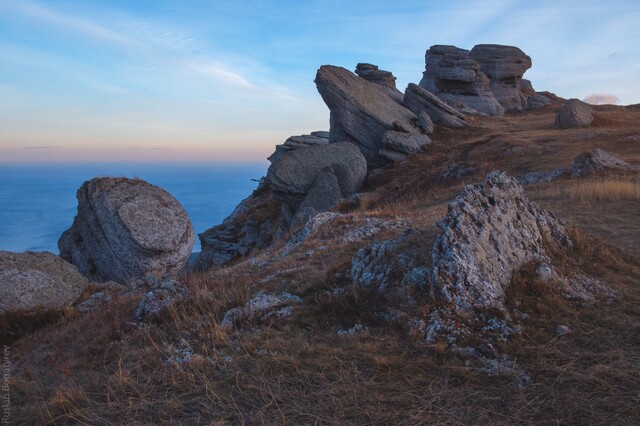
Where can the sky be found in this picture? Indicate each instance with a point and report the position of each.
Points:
(225, 81)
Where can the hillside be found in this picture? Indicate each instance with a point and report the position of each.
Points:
(347, 317)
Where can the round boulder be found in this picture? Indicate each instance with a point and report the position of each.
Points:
(37, 280)
(127, 228)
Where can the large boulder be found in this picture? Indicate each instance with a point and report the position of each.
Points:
(384, 79)
(292, 175)
(126, 229)
(362, 112)
(491, 230)
(598, 160)
(294, 142)
(37, 280)
(574, 114)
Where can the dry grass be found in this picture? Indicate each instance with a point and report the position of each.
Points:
(604, 189)
(103, 368)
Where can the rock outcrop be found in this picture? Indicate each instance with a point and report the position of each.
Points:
(486, 80)
(125, 229)
(37, 280)
(574, 114)
(491, 230)
(362, 113)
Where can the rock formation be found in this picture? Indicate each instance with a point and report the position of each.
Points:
(491, 230)
(31, 281)
(598, 160)
(312, 179)
(574, 114)
(362, 113)
(127, 228)
(487, 79)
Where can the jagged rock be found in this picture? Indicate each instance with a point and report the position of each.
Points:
(420, 100)
(491, 230)
(252, 224)
(292, 176)
(262, 306)
(598, 160)
(383, 78)
(574, 114)
(504, 66)
(160, 298)
(127, 228)
(37, 280)
(456, 78)
(302, 141)
(361, 112)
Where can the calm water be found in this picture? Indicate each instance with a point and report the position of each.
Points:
(38, 202)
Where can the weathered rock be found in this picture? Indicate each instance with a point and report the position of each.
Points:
(383, 78)
(37, 280)
(292, 176)
(261, 306)
(598, 160)
(406, 143)
(456, 78)
(531, 98)
(302, 141)
(491, 230)
(361, 112)
(574, 114)
(504, 66)
(160, 298)
(127, 228)
(420, 100)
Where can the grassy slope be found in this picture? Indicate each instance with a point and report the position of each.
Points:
(104, 369)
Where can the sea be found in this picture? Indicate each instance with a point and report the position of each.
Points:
(38, 201)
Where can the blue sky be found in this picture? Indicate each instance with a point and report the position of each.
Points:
(227, 80)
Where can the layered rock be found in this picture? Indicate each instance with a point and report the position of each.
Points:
(362, 113)
(31, 281)
(504, 66)
(598, 160)
(301, 141)
(574, 114)
(456, 78)
(125, 229)
(424, 103)
(487, 79)
(491, 230)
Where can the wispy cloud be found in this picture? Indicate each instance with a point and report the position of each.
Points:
(217, 72)
(601, 99)
(42, 147)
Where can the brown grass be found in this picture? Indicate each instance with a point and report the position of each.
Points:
(102, 368)
(604, 189)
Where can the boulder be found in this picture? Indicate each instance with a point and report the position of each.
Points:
(37, 280)
(361, 112)
(322, 196)
(598, 160)
(261, 307)
(531, 98)
(574, 114)
(292, 175)
(125, 229)
(421, 101)
(491, 230)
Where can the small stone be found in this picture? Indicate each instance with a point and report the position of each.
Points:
(562, 330)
